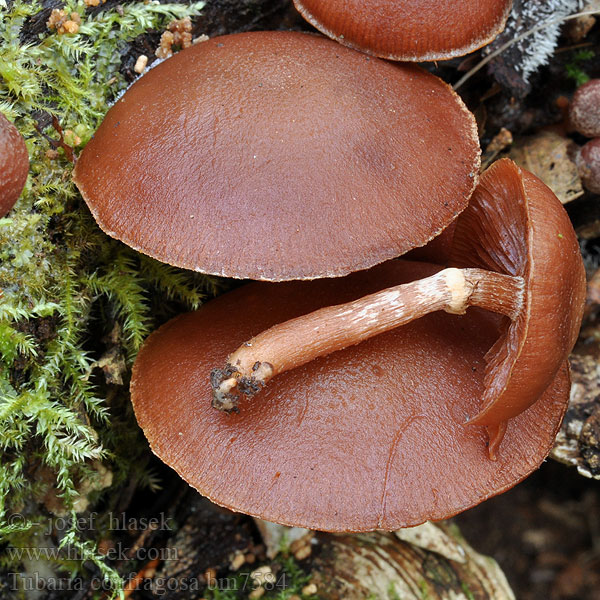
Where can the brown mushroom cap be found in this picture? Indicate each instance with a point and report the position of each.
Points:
(412, 30)
(14, 165)
(323, 449)
(514, 224)
(280, 155)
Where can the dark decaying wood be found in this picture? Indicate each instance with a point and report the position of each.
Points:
(578, 442)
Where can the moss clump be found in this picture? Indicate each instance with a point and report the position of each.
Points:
(575, 68)
(64, 285)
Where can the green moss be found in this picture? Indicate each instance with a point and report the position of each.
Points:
(65, 284)
(423, 587)
(392, 593)
(575, 68)
(467, 592)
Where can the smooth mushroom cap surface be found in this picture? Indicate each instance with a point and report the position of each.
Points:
(411, 30)
(14, 165)
(280, 155)
(370, 437)
(514, 224)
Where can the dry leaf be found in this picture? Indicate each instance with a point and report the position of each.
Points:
(547, 155)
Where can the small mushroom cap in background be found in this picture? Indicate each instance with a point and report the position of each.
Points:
(411, 30)
(14, 165)
(584, 110)
(370, 437)
(587, 160)
(280, 155)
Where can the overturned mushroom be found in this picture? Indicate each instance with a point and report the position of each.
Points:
(14, 165)
(410, 30)
(280, 155)
(518, 256)
(369, 437)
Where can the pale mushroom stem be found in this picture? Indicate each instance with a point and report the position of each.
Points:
(295, 342)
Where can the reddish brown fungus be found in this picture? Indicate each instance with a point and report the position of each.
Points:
(515, 225)
(411, 30)
(370, 437)
(381, 434)
(280, 155)
(14, 165)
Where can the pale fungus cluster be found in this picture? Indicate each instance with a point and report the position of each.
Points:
(347, 390)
